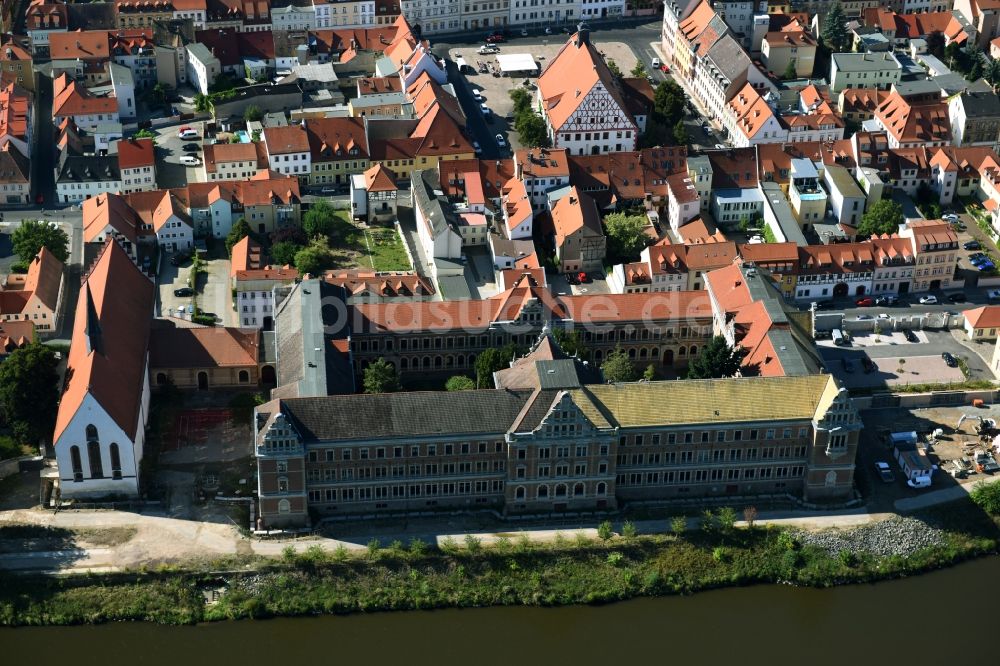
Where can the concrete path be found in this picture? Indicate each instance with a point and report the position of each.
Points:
(943, 496)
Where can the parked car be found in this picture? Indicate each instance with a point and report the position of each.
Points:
(993, 295)
(919, 482)
(191, 147)
(886, 300)
(179, 258)
(184, 291)
(986, 267)
(822, 305)
(187, 133)
(478, 96)
(950, 217)
(865, 317)
(487, 49)
(500, 141)
(190, 160)
(972, 245)
(911, 336)
(949, 360)
(496, 39)
(655, 63)
(865, 302)
(884, 472)
(958, 297)
(524, 32)
(583, 277)
(928, 300)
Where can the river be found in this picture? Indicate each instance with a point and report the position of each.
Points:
(925, 619)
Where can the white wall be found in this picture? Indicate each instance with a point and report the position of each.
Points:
(130, 453)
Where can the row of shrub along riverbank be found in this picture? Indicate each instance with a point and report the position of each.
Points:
(512, 572)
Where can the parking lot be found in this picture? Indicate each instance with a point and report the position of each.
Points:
(169, 150)
(955, 443)
(213, 290)
(922, 362)
(495, 89)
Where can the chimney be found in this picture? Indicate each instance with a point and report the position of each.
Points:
(582, 34)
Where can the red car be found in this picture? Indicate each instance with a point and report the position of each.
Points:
(495, 39)
(582, 277)
(865, 302)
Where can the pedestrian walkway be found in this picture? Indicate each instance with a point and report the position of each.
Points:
(935, 497)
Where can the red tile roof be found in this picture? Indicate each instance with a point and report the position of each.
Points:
(133, 153)
(987, 316)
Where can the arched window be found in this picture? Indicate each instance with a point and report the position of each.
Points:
(92, 433)
(74, 456)
(116, 462)
(284, 506)
(543, 492)
(519, 493)
(561, 490)
(244, 376)
(602, 489)
(694, 349)
(161, 379)
(94, 455)
(578, 490)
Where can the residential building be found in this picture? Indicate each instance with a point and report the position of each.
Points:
(16, 62)
(739, 16)
(518, 216)
(542, 171)
(36, 296)
(203, 67)
(894, 265)
(547, 12)
(16, 140)
(137, 165)
(344, 13)
(915, 120)
(582, 103)
(288, 151)
(722, 72)
(982, 323)
(984, 18)
(43, 18)
(101, 423)
(373, 194)
(294, 15)
(254, 294)
(80, 177)
(338, 149)
(846, 198)
(230, 161)
(683, 203)
(483, 15)
(864, 70)
(935, 245)
(141, 13)
(433, 17)
(579, 239)
(975, 119)
(835, 271)
(804, 193)
(750, 120)
(789, 48)
(365, 286)
(859, 104)
(85, 108)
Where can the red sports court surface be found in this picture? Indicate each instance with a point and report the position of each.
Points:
(193, 427)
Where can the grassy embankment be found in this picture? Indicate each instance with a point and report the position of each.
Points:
(512, 572)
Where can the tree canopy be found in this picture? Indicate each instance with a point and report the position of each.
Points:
(626, 235)
(716, 359)
(835, 35)
(29, 238)
(459, 383)
(530, 127)
(29, 394)
(882, 217)
(615, 69)
(283, 253)
(381, 377)
(639, 71)
(618, 367)
(238, 232)
(668, 102)
(252, 113)
(319, 220)
(314, 258)
(491, 360)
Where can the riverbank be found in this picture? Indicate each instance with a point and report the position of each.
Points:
(513, 571)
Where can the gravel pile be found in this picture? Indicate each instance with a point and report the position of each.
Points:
(898, 536)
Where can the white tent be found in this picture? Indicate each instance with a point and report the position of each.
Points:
(511, 63)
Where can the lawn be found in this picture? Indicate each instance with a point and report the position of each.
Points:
(380, 248)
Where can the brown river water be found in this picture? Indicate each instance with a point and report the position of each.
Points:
(928, 619)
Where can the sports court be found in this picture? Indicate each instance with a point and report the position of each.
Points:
(205, 436)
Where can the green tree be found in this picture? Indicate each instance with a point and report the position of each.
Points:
(159, 94)
(882, 217)
(319, 220)
(459, 383)
(252, 113)
(626, 235)
(679, 525)
(283, 253)
(986, 495)
(976, 71)
(649, 374)
(570, 342)
(639, 71)
(680, 133)
(618, 367)
(726, 519)
(144, 134)
(202, 103)
(935, 44)
(668, 103)
(238, 232)
(491, 360)
(790, 72)
(835, 33)
(314, 258)
(32, 235)
(716, 359)
(532, 130)
(605, 530)
(613, 67)
(992, 72)
(29, 394)
(381, 377)
(521, 99)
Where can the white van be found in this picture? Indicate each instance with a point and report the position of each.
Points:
(655, 63)
(838, 338)
(189, 160)
(919, 482)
